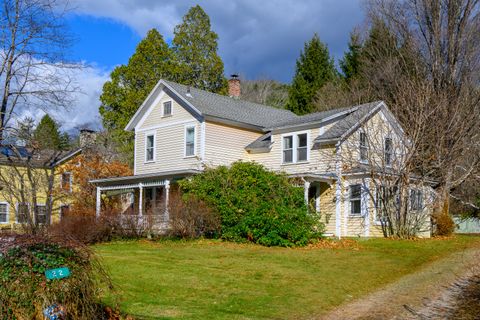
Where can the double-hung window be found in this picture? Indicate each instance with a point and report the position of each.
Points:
(41, 216)
(356, 199)
(295, 148)
(189, 141)
(22, 212)
(150, 148)
(288, 149)
(167, 108)
(416, 199)
(363, 147)
(388, 151)
(4, 212)
(66, 182)
(302, 147)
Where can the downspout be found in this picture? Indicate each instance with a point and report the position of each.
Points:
(338, 191)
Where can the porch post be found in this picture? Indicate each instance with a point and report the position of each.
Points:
(167, 195)
(140, 199)
(99, 202)
(306, 187)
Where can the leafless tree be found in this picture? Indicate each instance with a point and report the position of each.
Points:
(28, 178)
(427, 68)
(265, 91)
(34, 71)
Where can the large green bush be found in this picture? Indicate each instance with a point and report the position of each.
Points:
(255, 204)
(24, 290)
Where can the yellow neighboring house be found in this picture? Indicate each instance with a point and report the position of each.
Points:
(33, 184)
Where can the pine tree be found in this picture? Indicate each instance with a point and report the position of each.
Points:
(47, 135)
(314, 68)
(350, 64)
(195, 46)
(130, 85)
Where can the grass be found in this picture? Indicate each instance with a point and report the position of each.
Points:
(217, 280)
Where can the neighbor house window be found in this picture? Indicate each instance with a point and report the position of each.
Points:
(189, 141)
(416, 199)
(41, 216)
(288, 149)
(302, 147)
(388, 151)
(167, 108)
(66, 181)
(22, 213)
(363, 147)
(64, 211)
(150, 148)
(3, 212)
(356, 199)
(295, 148)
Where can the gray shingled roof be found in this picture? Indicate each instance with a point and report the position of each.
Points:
(232, 109)
(311, 117)
(263, 143)
(345, 124)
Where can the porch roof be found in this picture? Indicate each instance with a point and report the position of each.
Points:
(325, 177)
(144, 178)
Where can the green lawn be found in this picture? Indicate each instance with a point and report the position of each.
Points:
(217, 280)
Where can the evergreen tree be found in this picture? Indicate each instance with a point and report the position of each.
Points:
(195, 46)
(314, 69)
(350, 64)
(47, 135)
(130, 85)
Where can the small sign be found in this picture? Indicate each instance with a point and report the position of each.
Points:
(58, 273)
(54, 312)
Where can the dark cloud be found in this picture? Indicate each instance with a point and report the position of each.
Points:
(256, 38)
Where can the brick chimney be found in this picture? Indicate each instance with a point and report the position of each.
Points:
(234, 86)
(87, 138)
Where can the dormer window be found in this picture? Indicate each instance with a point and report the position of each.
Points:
(167, 108)
(295, 148)
(363, 147)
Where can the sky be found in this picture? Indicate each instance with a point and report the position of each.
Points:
(257, 39)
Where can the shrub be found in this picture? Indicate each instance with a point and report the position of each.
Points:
(255, 204)
(191, 218)
(444, 224)
(25, 292)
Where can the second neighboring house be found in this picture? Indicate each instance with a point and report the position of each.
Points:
(22, 169)
(180, 130)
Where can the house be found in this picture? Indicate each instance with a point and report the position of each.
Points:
(180, 130)
(22, 169)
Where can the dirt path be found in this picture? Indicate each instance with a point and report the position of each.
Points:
(424, 293)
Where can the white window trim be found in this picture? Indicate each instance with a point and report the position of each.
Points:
(16, 210)
(163, 109)
(8, 213)
(154, 134)
(295, 146)
(360, 146)
(70, 183)
(188, 126)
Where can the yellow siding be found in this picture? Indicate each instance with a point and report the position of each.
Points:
(169, 140)
(225, 144)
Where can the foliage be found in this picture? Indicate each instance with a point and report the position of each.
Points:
(47, 134)
(350, 64)
(444, 224)
(195, 46)
(90, 166)
(191, 218)
(314, 68)
(130, 84)
(265, 91)
(24, 290)
(255, 204)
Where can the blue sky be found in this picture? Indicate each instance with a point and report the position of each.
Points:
(258, 39)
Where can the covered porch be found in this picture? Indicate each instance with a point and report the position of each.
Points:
(145, 197)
